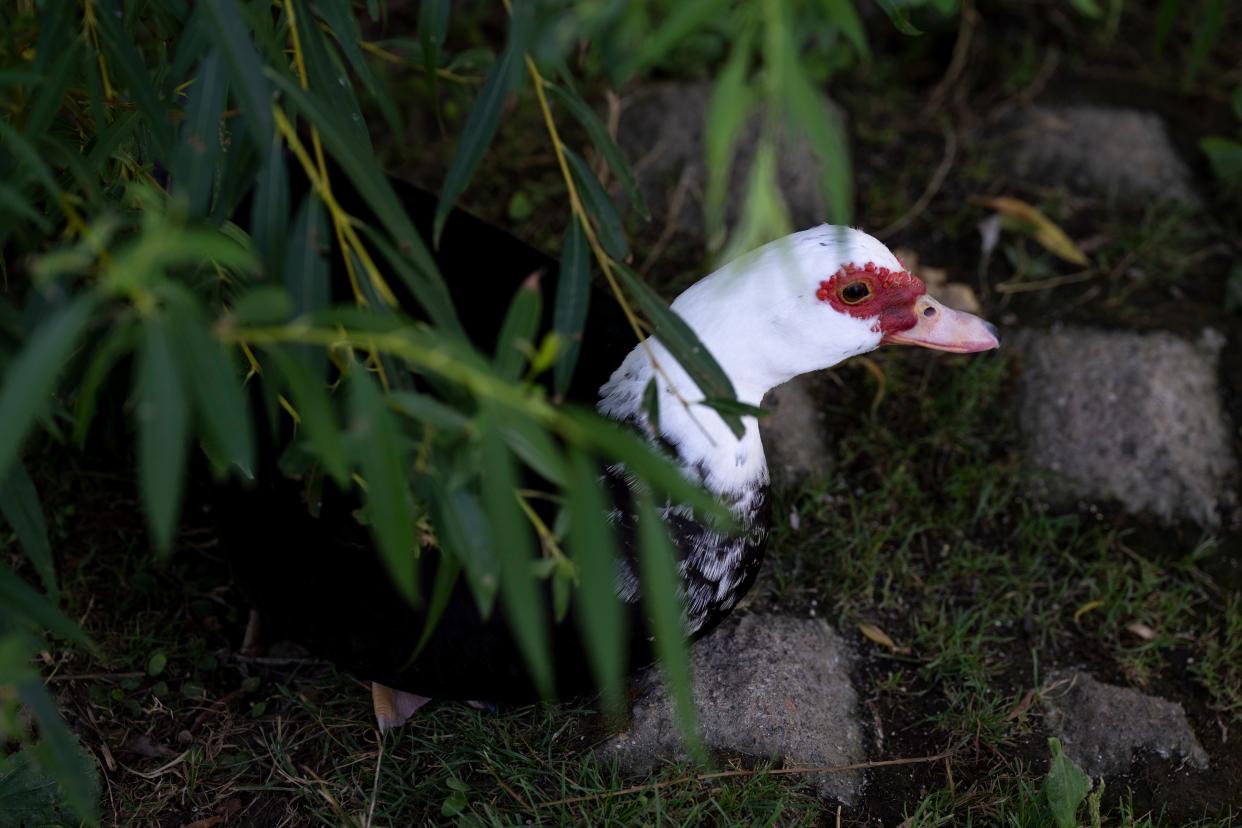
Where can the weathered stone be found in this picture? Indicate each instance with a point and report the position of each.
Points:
(767, 687)
(1102, 726)
(1133, 417)
(1102, 151)
(661, 131)
(794, 440)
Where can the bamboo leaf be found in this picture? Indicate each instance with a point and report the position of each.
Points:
(687, 16)
(843, 14)
(823, 131)
(603, 142)
(19, 503)
(122, 52)
(375, 188)
(659, 577)
(1207, 32)
(60, 754)
(249, 85)
(741, 409)
(661, 473)
(599, 204)
(484, 115)
(517, 332)
(387, 494)
(428, 410)
(163, 431)
(121, 340)
(682, 342)
(25, 602)
(425, 284)
(198, 149)
(573, 299)
(537, 449)
(214, 389)
(310, 398)
(307, 274)
(344, 25)
(269, 215)
(732, 102)
(898, 16)
(462, 530)
(447, 572)
(329, 82)
(600, 612)
(51, 95)
(519, 591)
(32, 374)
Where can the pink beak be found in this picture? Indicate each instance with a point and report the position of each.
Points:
(945, 329)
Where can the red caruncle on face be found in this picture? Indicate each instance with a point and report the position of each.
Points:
(876, 292)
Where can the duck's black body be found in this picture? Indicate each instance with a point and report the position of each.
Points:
(318, 579)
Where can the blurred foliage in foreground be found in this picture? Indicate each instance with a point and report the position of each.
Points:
(132, 133)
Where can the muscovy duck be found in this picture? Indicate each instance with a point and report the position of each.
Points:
(802, 303)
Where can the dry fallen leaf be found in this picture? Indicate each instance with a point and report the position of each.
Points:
(1042, 228)
(1142, 630)
(1086, 608)
(874, 633)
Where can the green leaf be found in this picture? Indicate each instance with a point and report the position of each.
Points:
(658, 471)
(249, 85)
(898, 16)
(845, 17)
(310, 398)
(741, 409)
(13, 203)
(307, 273)
(329, 80)
(121, 51)
(687, 17)
(484, 115)
(32, 374)
(603, 142)
(531, 442)
(659, 578)
(599, 204)
(383, 467)
(447, 573)
(377, 191)
(23, 602)
(1225, 156)
(263, 305)
(157, 662)
(573, 299)
(732, 102)
(28, 159)
(60, 754)
(823, 130)
(194, 165)
(1065, 787)
(121, 340)
(519, 591)
(1166, 16)
(600, 612)
(1087, 8)
(429, 410)
(163, 431)
(463, 531)
(269, 215)
(214, 387)
(682, 342)
(19, 503)
(1211, 17)
(47, 102)
(517, 332)
(425, 284)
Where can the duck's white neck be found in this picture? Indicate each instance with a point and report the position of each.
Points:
(759, 318)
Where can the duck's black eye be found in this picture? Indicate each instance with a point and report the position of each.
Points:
(855, 292)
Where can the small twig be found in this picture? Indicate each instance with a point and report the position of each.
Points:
(379, 762)
(522, 803)
(961, 50)
(732, 774)
(933, 186)
(96, 676)
(1045, 284)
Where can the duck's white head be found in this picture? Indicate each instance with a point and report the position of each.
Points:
(802, 303)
